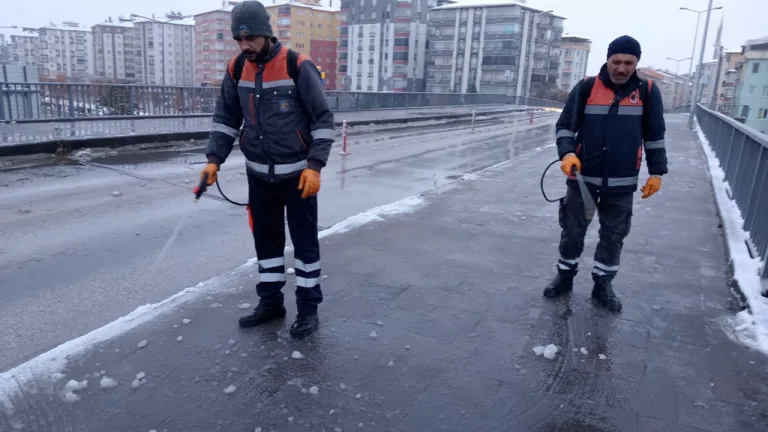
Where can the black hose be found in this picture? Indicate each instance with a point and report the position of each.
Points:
(226, 197)
(542, 182)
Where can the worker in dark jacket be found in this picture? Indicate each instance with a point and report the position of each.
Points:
(601, 133)
(287, 133)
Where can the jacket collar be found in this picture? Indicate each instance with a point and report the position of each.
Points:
(274, 50)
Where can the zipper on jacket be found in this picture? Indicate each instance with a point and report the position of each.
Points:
(253, 109)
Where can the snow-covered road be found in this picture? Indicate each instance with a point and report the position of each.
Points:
(83, 244)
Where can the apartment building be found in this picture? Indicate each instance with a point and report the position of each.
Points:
(671, 86)
(501, 47)
(574, 56)
(214, 46)
(65, 52)
(116, 44)
(729, 79)
(382, 45)
(305, 26)
(311, 29)
(708, 82)
(752, 90)
(166, 49)
(20, 45)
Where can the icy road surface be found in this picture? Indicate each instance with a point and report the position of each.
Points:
(84, 244)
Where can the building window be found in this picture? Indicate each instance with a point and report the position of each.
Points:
(752, 90)
(755, 68)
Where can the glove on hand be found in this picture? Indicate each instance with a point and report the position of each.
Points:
(211, 169)
(651, 186)
(569, 161)
(309, 183)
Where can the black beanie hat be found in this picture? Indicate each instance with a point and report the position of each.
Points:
(250, 18)
(624, 45)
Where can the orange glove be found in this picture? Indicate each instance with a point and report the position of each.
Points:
(569, 161)
(309, 183)
(651, 186)
(211, 169)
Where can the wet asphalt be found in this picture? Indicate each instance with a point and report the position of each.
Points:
(453, 294)
(88, 238)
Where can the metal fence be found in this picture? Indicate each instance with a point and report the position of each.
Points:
(743, 155)
(30, 102)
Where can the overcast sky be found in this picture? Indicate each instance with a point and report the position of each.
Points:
(662, 29)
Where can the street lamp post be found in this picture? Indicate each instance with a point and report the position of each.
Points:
(677, 72)
(695, 90)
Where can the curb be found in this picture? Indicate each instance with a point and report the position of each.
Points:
(67, 145)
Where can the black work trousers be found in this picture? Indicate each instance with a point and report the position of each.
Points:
(268, 203)
(615, 215)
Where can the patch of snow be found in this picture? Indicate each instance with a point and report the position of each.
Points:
(297, 355)
(550, 351)
(142, 344)
(391, 363)
(358, 396)
(373, 334)
(74, 385)
(229, 390)
(314, 390)
(258, 429)
(116, 194)
(379, 323)
(244, 306)
(180, 338)
(216, 305)
(602, 356)
(107, 383)
(376, 214)
(538, 350)
(71, 397)
(186, 321)
(407, 347)
(342, 386)
(583, 350)
(290, 270)
(232, 341)
(753, 322)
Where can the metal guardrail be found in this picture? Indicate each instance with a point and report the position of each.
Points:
(743, 155)
(43, 102)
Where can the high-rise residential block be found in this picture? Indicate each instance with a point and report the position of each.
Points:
(65, 52)
(115, 51)
(500, 47)
(382, 45)
(574, 55)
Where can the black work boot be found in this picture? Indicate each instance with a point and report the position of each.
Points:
(305, 324)
(262, 314)
(603, 295)
(561, 284)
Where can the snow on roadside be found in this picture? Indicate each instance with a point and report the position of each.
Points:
(41, 368)
(749, 327)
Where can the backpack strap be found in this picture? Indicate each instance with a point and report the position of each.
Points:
(239, 65)
(293, 64)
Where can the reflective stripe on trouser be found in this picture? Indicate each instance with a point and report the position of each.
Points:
(269, 202)
(615, 216)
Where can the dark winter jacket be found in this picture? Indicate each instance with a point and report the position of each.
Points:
(609, 131)
(288, 125)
